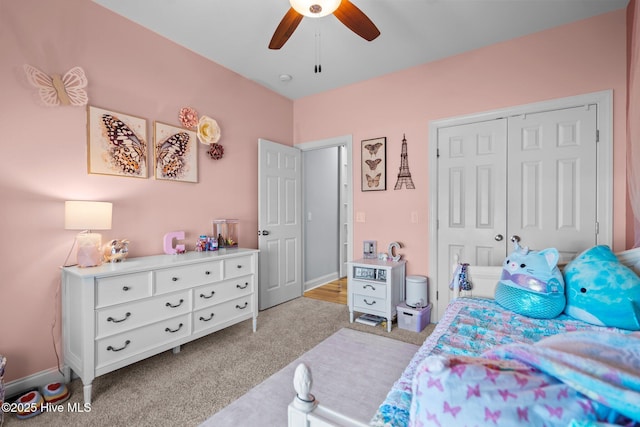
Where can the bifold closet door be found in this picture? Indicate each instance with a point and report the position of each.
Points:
(552, 181)
(533, 176)
(472, 198)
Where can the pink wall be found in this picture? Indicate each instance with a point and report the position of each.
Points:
(134, 71)
(583, 57)
(130, 70)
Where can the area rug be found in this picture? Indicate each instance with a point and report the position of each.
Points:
(352, 373)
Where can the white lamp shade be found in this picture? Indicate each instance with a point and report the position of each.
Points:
(83, 215)
(307, 7)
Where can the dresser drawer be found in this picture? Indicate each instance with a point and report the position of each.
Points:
(173, 279)
(239, 266)
(378, 290)
(123, 288)
(127, 344)
(205, 296)
(369, 302)
(123, 317)
(217, 314)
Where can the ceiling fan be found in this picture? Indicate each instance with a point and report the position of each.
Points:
(344, 10)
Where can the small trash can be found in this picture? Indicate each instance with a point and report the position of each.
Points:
(417, 293)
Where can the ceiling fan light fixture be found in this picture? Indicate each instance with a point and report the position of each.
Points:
(315, 8)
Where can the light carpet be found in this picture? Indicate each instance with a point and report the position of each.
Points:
(352, 373)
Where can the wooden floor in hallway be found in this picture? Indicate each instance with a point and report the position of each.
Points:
(335, 291)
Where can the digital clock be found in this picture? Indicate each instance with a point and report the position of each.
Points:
(364, 273)
(379, 274)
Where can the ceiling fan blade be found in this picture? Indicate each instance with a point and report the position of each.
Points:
(286, 27)
(356, 20)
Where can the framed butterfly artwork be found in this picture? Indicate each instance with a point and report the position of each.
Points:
(116, 143)
(175, 153)
(374, 164)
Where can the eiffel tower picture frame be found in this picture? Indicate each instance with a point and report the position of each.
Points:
(374, 164)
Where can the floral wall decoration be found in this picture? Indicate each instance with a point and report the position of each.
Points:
(207, 130)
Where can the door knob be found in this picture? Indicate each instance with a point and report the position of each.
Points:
(515, 238)
(499, 237)
(264, 233)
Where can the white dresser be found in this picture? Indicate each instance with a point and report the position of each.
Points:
(119, 313)
(375, 287)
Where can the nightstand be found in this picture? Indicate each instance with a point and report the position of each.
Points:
(375, 287)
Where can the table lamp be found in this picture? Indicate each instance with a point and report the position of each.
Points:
(88, 216)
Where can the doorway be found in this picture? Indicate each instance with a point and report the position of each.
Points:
(484, 196)
(327, 210)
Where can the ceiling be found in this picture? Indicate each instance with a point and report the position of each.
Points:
(236, 34)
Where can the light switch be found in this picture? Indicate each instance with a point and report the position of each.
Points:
(414, 217)
(360, 217)
(308, 216)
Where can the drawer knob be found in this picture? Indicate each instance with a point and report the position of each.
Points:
(238, 266)
(174, 330)
(111, 319)
(126, 343)
(369, 303)
(176, 305)
(175, 279)
(367, 285)
(243, 287)
(207, 296)
(206, 320)
(125, 288)
(242, 307)
(207, 272)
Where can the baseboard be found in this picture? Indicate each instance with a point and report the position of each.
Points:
(319, 281)
(31, 382)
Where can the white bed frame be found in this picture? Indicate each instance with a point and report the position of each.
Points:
(305, 411)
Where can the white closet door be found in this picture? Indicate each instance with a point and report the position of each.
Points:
(533, 176)
(552, 180)
(472, 161)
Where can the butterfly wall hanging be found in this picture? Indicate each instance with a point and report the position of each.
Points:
(175, 153)
(374, 167)
(117, 143)
(127, 153)
(55, 90)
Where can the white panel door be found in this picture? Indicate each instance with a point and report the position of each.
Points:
(472, 162)
(533, 176)
(552, 178)
(279, 223)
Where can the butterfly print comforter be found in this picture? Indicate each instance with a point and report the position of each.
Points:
(470, 328)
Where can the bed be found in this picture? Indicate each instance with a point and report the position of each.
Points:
(476, 336)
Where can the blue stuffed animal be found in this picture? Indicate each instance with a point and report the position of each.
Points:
(531, 283)
(602, 291)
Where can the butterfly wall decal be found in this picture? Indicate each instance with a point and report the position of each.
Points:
(55, 90)
(373, 148)
(170, 161)
(127, 152)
